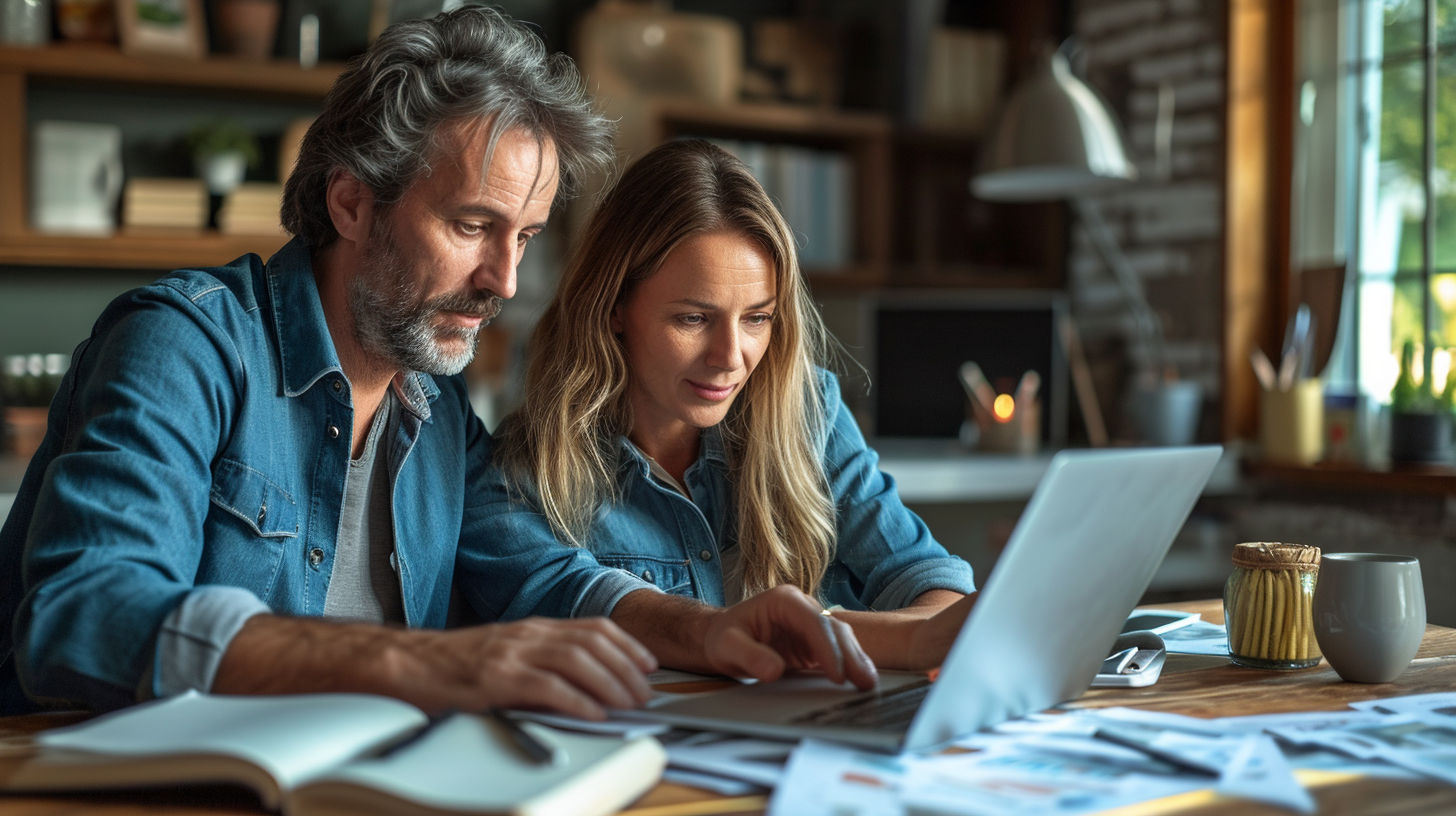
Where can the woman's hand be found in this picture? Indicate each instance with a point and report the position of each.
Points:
(761, 637)
(782, 629)
(931, 638)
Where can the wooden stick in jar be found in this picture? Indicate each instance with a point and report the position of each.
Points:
(1265, 641)
(1256, 606)
(1277, 631)
(1297, 598)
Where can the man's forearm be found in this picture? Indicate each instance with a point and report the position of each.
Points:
(279, 655)
(673, 628)
(578, 667)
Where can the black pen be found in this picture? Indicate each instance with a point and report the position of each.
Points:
(1166, 757)
(419, 734)
(534, 749)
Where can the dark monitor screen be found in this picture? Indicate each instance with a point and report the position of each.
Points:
(920, 343)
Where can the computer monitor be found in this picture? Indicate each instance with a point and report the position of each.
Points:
(920, 340)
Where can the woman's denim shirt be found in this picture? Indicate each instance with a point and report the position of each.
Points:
(653, 537)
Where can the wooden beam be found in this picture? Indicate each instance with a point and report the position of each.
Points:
(1257, 199)
(12, 154)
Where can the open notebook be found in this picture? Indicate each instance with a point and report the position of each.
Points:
(319, 754)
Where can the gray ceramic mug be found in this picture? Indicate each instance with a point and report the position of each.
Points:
(1369, 614)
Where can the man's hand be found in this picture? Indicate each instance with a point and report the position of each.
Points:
(762, 637)
(576, 667)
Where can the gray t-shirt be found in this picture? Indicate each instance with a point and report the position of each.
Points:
(364, 583)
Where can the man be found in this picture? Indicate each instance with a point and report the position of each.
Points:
(239, 452)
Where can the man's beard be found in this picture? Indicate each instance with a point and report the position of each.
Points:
(393, 320)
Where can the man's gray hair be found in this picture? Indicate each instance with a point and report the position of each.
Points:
(383, 118)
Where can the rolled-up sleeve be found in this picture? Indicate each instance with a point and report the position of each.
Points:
(115, 534)
(194, 636)
(886, 548)
(510, 565)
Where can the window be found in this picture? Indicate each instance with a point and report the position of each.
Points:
(1374, 186)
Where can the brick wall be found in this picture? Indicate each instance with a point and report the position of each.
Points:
(1170, 229)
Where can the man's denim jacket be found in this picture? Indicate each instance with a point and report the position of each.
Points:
(200, 443)
(653, 536)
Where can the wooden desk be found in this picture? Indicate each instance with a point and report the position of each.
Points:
(1197, 686)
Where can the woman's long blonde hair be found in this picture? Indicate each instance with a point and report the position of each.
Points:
(560, 448)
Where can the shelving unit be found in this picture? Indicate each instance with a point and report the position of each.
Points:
(864, 138)
(22, 69)
(944, 237)
(915, 223)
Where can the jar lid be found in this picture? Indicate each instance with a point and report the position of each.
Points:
(1275, 555)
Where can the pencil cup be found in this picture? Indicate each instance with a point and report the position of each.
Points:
(1267, 606)
(1369, 614)
(1291, 424)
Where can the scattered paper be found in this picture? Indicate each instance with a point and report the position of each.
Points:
(758, 761)
(1202, 638)
(711, 782)
(1441, 704)
(612, 726)
(1027, 782)
(823, 779)
(1259, 771)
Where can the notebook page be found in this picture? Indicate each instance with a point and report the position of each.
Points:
(292, 737)
(467, 765)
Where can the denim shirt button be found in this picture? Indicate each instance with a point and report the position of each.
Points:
(394, 561)
(262, 513)
(315, 557)
(706, 555)
(338, 386)
(647, 576)
(333, 431)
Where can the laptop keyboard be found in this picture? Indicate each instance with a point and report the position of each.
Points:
(887, 711)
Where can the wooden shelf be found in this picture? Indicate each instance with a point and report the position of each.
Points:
(135, 251)
(775, 121)
(106, 64)
(21, 68)
(1431, 481)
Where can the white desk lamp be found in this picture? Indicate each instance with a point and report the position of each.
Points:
(1056, 139)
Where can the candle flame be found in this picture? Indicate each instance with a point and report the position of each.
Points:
(1004, 407)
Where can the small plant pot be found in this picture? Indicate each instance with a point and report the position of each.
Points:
(247, 27)
(1420, 438)
(223, 172)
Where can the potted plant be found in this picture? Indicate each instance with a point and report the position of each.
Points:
(1420, 418)
(222, 151)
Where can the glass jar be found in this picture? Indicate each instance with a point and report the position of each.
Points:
(1267, 606)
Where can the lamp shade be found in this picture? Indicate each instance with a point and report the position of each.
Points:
(1054, 139)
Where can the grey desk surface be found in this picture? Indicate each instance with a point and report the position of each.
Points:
(936, 471)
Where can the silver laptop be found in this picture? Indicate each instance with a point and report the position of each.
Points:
(1081, 556)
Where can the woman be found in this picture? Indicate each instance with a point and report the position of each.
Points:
(678, 432)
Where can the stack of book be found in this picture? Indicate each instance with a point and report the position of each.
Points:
(251, 209)
(165, 202)
(966, 72)
(814, 190)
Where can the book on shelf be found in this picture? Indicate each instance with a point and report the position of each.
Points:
(966, 71)
(165, 202)
(252, 209)
(328, 754)
(814, 191)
